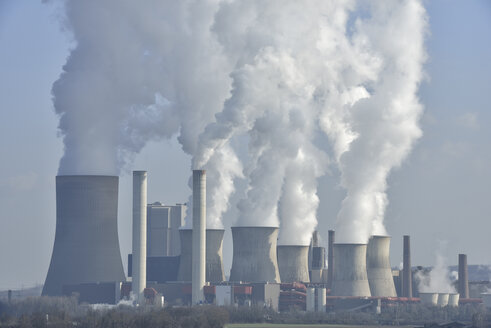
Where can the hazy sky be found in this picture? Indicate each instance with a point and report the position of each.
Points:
(441, 194)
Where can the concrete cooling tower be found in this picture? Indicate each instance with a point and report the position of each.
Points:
(254, 256)
(86, 247)
(350, 271)
(214, 258)
(379, 271)
(293, 263)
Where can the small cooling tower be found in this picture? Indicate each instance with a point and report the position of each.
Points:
(379, 271)
(86, 247)
(453, 299)
(350, 271)
(293, 263)
(254, 256)
(442, 299)
(428, 298)
(214, 258)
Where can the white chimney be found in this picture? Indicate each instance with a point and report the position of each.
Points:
(139, 266)
(199, 236)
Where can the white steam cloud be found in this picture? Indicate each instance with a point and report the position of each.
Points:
(438, 279)
(275, 72)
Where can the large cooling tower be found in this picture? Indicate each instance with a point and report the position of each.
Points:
(214, 259)
(293, 263)
(86, 247)
(254, 256)
(379, 271)
(350, 271)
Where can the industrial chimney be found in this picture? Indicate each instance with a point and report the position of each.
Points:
(139, 263)
(330, 258)
(214, 257)
(350, 272)
(407, 274)
(379, 271)
(199, 236)
(293, 263)
(463, 276)
(86, 247)
(254, 255)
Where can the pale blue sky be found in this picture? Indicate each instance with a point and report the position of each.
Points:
(441, 193)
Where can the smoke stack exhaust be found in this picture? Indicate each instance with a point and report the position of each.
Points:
(350, 273)
(254, 256)
(199, 236)
(463, 276)
(86, 247)
(407, 274)
(138, 282)
(330, 258)
(379, 271)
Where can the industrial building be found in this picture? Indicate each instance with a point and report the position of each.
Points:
(185, 266)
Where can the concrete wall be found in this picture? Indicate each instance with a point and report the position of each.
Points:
(86, 247)
(254, 254)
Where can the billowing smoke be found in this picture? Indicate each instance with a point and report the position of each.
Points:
(137, 72)
(438, 279)
(373, 119)
(273, 72)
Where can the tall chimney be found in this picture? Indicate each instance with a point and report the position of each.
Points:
(407, 275)
(330, 258)
(139, 265)
(463, 277)
(199, 236)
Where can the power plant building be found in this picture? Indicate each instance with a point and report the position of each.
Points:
(163, 223)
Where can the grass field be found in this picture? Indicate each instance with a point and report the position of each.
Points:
(275, 325)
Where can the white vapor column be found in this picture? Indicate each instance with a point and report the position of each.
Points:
(139, 233)
(199, 236)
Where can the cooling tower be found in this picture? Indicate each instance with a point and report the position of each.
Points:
(442, 299)
(463, 276)
(379, 271)
(139, 262)
(198, 265)
(350, 272)
(214, 258)
(428, 298)
(293, 263)
(254, 256)
(86, 247)
(453, 299)
(486, 299)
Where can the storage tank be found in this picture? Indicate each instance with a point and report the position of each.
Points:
(214, 257)
(254, 255)
(86, 247)
(293, 263)
(428, 298)
(379, 271)
(350, 271)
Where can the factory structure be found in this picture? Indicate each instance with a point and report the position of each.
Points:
(174, 264)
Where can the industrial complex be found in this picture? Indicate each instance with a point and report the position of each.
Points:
(172, 264)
